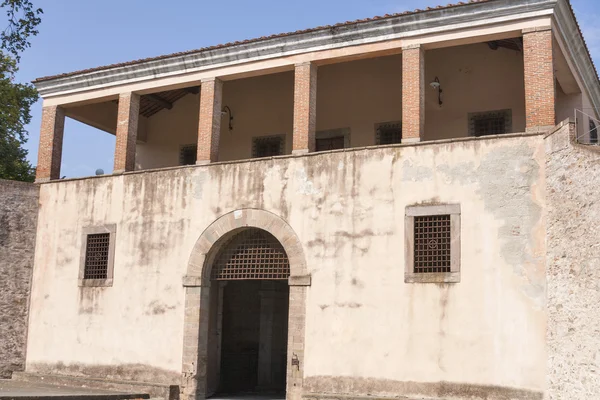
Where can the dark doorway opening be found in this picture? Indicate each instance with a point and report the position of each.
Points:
(254, 341)
(248, 322)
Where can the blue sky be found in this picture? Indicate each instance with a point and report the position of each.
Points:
(77, 34)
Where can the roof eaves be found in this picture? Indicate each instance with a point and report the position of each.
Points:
(263, 38)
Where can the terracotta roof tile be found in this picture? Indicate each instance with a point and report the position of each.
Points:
(183, 53)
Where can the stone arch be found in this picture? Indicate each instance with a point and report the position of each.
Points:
(220, 230)
(197, 297)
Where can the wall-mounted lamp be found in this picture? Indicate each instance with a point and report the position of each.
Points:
(436, 85)
(227, 111)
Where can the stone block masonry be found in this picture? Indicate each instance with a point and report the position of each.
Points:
(573, 276)
(18, 222)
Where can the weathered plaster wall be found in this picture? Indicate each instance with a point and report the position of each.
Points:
(355, 95)
(347, 209)
(572, 268)
(18, 216)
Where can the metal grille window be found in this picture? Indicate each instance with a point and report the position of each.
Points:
(432, 244)
(268, 146)
(251, 254)
(332, 143)
(332, 139)
(490, 123)
(187, 154)
(96, 256)
(388, 133)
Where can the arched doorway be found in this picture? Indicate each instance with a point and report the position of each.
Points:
(248, 323)
(200, 288)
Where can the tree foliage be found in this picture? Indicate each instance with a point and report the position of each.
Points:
(16, 98)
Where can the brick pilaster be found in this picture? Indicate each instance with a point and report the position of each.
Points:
(540, 94)
(127, 127)
(209, 124)
(305, 108)
(413, 93)
(51, 140)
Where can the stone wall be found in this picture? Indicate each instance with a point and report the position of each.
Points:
(18, 219)
(573, 261)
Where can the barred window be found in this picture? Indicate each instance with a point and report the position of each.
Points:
(332, 139)
(96, 268)
(432, 243)
(251, 254)
(388, 133)
(332, 143)
(187, 154)
(490, 123)
(268, 146)
(96, 256)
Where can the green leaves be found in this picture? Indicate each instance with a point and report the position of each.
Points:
(16, 99)
(23, 20)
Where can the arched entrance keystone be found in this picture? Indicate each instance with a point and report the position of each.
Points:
(197, 297)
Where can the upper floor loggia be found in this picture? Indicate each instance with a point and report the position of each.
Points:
(477, 69)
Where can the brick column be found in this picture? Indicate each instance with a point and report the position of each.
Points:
(413, 93)
(540, 92)
(209, 125)
(305, 108)
(127, 127)
(51, 140)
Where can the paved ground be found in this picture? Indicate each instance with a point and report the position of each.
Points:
(25, 390)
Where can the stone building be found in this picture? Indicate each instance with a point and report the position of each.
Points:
(396, 206)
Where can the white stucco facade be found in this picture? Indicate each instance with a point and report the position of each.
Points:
(347, 208)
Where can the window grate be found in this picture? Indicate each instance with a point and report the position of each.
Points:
(388, 133)
(96, 256)
(332, 143)
(432, 244)
(187, 154)
(267, 146)
(251, 254)
(490, 123)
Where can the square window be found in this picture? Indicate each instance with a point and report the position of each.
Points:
(432, 244)
(187, 154)
(490, 123)
(268, 146)
(97, 256)
(333, 139)
(388, 133)
(332, 143)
